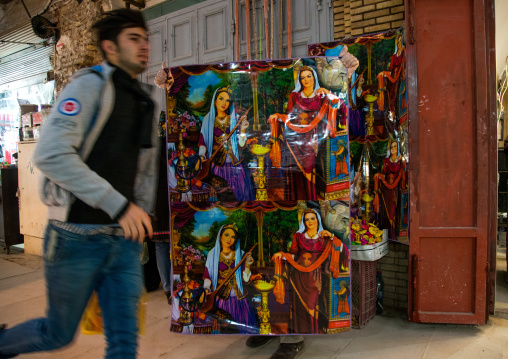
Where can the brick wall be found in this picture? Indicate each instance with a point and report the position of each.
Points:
(77, 46)
(358, 17)
(395, 268)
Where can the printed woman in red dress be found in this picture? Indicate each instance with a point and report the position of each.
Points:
(393, 180)
(393, 75)
(311, 247)
(311, 115)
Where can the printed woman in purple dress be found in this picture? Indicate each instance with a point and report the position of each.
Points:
(228, 163)
(232, 298)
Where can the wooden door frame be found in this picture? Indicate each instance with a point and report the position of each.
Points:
(493, 156)
(483, 80)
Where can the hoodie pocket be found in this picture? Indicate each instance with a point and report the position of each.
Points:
(54, 195)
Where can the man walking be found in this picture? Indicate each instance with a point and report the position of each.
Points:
(97, 153)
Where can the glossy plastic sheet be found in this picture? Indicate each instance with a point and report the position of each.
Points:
(259, 131)
(378, 135)
(258, 180)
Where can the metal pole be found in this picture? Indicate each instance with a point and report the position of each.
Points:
(254, 21)
(272, 30)
(290, 40)
(247, 16)
(267, 31)
(281, 29)
(259, 218)
(237, 32)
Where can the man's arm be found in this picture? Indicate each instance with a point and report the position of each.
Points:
(62, 135)
(349, 61)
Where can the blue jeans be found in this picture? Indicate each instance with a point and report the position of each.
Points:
(75, 265)
(163, 264)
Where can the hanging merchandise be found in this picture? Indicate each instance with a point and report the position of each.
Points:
(258, 180)
(258, 131)
(378, 135)
(260, 268)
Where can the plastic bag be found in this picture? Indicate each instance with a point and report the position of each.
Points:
(92, 323)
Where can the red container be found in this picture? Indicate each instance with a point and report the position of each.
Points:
(363, 292)
(36, 118)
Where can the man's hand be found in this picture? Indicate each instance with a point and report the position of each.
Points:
(349, 61)
(136, 223)
(162, 78)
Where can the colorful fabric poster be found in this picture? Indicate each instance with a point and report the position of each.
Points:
(258, 179)
(258, 131)
(261, 268)
(378, 135)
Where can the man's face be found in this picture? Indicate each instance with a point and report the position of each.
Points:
(131, 50)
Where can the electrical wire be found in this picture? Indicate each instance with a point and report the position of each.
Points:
(46, 8)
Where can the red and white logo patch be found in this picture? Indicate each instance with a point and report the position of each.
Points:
(69, 107)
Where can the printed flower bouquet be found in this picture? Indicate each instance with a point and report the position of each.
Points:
(189, 255)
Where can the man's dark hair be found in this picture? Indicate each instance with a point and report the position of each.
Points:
(113, 22)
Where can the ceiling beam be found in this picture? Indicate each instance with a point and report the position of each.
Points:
(139, 4)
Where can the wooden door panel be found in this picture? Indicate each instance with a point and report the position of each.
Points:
(182, 48)
(300, 48)
(157, 38)
(301, 15)
(182, 39)
(157, 45)
(212, 22)
(441, 270)
(214, 27)
(450, 140)
(448, 100)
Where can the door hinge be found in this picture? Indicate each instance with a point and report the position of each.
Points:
(165, 45)
(411, 22)
(233, 27)
(414, 280)
(318, 4)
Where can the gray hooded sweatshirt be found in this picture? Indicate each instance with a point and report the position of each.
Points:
(67, 138)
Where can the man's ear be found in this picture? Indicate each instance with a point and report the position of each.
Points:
(109, 47)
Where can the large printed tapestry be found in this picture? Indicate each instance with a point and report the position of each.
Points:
(378, 135)
(258, 179)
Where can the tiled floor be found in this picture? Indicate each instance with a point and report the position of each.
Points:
(22, 296)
